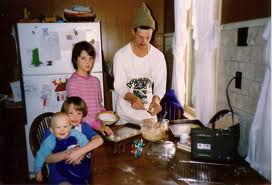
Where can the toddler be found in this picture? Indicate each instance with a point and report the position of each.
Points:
(76, 109)
(61, 139)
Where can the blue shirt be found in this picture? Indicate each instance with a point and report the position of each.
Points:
(54, 176)
(48, 145)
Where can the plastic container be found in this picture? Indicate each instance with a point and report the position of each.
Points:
(164, 150)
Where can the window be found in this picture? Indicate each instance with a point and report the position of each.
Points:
(187, 19)
(189, 106)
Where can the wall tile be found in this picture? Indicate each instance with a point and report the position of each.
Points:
(227, 52)
(221, 107)
(230, 68)
(254, 90)
(257, 54)
(247, 70)
(259, 72)
(245, 103)
(244, 88)
(228, 37)
(242, 54)
(252, 35)
(255, 35)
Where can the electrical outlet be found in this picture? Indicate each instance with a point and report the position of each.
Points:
(238, 80)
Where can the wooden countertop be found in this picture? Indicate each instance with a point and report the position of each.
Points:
(114, 165)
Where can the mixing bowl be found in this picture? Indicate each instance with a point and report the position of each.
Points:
(152, 130)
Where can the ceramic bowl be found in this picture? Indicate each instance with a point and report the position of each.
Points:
(108, 117)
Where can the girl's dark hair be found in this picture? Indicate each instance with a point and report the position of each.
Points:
(81, 46)
(79, 105)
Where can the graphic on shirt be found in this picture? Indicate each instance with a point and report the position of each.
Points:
(139, 87)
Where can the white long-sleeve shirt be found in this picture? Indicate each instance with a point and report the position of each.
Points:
(144, 76)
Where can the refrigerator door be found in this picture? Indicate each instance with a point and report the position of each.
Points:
(45, 48)
(99, 75)
(42, 94)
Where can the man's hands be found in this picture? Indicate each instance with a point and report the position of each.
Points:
(155, 107)
(136, 103)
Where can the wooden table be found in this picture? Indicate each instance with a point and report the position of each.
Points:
(111, 167)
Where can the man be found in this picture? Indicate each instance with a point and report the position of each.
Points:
(139, 73)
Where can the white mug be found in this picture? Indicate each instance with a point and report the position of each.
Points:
(184, 137)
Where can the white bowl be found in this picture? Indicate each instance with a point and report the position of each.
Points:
(179, 129)
(108, 117)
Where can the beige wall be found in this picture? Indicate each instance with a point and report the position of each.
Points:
(115, 15)
(242, 10)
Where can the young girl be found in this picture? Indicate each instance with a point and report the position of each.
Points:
(76, 109)
(86, 86)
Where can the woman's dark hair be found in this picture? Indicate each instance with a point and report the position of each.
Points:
(81, 46)
(79, 105)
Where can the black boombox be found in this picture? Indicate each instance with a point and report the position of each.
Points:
(214, 144)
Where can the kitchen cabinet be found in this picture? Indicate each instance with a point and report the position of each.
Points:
(14, 169)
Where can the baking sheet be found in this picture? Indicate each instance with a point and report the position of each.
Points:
(123, 133)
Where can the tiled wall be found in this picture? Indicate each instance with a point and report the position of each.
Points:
(247, 59)
(250, 61)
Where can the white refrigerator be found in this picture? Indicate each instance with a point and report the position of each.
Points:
(45, 54)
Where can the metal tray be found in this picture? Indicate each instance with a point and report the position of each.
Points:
(123, 133)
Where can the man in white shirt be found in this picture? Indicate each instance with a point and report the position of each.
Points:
(139, 73)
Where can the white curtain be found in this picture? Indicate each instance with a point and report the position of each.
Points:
(259, 151)
(179, 48)
(205, 34)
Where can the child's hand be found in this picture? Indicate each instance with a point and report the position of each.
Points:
(67, 153)
(75, 156)
(39, 176)
(105, 130)
(78, 161)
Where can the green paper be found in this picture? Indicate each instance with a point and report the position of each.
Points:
(35, 58)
